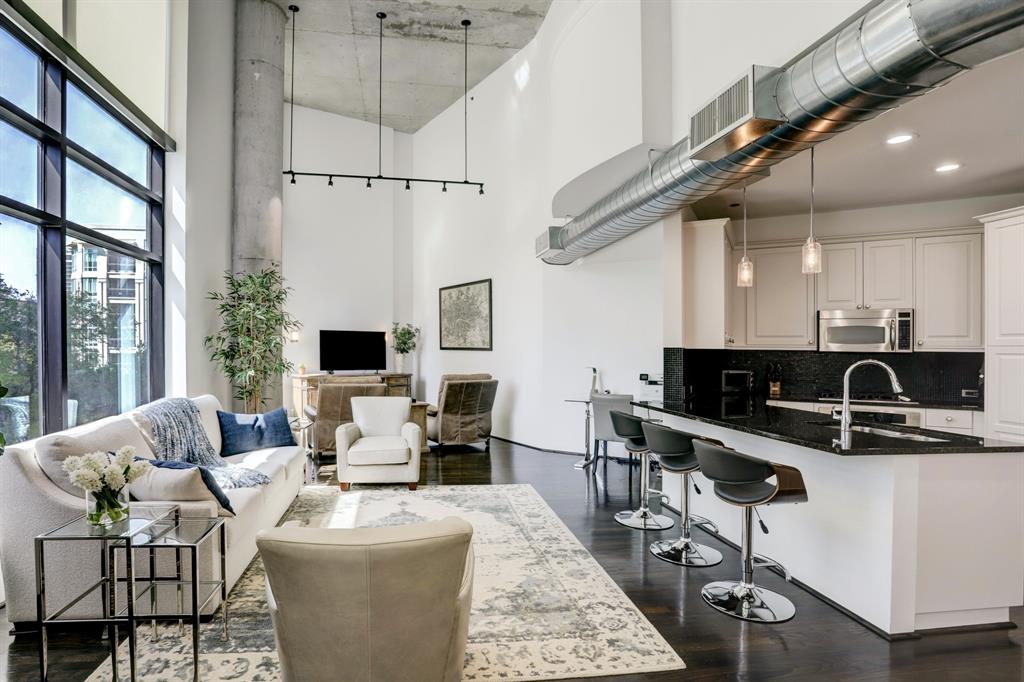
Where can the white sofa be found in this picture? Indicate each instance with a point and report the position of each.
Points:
(33, 504)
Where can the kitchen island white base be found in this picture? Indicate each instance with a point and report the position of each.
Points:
(905, 542)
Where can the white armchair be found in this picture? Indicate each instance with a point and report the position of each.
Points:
(381, 446)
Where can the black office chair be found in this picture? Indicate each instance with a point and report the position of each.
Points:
(742, 480)
(629, 428)
(674, 450)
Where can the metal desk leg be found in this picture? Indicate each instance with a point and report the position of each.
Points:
(41, 607)
(129, 571)
(194, 551)
(110, 605)
(586, 461)
(178, 578)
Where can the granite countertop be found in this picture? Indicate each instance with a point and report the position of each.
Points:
(924, 404)
(816, 431)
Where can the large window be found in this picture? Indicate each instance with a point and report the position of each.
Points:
(81, 205)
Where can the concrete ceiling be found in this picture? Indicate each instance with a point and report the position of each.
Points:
(975, 120)
(336, 56)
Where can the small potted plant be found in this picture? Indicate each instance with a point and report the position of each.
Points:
(403, 339)
(105, 477)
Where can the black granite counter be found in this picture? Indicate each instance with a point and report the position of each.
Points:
(926, 404)
(816, 431)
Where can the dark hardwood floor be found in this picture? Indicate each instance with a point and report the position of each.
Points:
(819, 644)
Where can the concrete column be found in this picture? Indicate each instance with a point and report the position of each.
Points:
(258, 135)
(258, 144)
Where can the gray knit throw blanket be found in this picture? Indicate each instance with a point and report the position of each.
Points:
(178, 435)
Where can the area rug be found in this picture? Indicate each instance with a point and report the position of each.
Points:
(543, 608)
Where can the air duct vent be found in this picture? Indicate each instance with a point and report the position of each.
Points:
(547, 243)
(742, 112)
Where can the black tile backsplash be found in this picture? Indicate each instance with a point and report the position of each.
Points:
(926, 377)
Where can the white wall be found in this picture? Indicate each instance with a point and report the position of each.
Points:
(198, 190)
(339, 244)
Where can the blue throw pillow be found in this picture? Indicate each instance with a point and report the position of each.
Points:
(247, 432)
(204, 473)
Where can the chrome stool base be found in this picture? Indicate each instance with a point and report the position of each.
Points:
(644, 519)
(686, 553)
(748, 602)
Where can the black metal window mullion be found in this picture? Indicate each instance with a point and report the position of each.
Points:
(54, 229)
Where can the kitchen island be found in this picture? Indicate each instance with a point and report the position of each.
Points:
(908, 535)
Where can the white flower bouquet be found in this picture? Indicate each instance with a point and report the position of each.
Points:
(105, 477)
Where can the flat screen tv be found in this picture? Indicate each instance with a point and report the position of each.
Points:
(346, 350)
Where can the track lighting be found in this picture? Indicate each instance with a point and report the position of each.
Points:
(381, 16)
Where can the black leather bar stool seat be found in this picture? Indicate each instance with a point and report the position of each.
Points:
(674, 450)
(629, 428)
(742, 480)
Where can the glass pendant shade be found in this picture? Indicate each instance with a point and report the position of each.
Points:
(810, 257)
(745, 273)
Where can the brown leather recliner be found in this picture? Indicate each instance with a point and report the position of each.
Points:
(463, 412)
(334, 408)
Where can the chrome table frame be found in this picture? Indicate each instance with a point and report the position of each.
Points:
(588, 458)
(152, 534)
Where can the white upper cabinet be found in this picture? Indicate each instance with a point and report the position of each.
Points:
(840, 284)
(780, 305)
(948, 292)
(889, 274)
(708, 281)
(1004, 279)
(869, 275)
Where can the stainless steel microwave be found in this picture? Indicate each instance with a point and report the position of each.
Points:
(866, 331)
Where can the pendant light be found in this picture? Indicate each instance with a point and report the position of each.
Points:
(408, 181)
(810, 254)
(745, 270)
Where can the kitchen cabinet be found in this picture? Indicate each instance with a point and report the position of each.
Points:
(948, 292)
(889, 274)
(953, 421)
(873, 274)
(780, 305)
(709, 278)
(1004, 319)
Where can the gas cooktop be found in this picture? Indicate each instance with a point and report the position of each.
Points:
(833, 397)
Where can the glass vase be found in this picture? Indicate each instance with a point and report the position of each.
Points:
(106, 507)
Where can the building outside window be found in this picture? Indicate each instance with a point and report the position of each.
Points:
(105, 206)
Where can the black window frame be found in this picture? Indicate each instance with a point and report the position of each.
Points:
(60, 64)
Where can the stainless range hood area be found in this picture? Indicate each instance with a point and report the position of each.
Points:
(891, 53)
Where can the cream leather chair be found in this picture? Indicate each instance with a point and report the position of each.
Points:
(381, 445)
(370, 604)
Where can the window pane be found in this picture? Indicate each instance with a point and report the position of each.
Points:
(102, 134)
(107, 355)
(19, 330)
(19, 74)
(19, 165)
(101, 205)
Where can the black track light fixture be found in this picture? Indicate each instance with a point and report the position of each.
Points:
(381, 16)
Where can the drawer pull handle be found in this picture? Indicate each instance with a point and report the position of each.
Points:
(949, 419)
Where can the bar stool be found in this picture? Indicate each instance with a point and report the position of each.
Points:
(674, 450)
(742, 480)
(629, 428)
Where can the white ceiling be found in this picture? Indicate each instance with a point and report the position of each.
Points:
(336, 56)
(976, 120)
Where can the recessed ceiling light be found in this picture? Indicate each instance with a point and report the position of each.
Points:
(947, 167)
(900, 138)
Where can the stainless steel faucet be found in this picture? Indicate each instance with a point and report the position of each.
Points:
(845, 420)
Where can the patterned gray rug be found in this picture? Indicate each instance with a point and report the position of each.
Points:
(543, 608)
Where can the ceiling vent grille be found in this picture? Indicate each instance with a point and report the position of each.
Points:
(547, 243)
(740, 113)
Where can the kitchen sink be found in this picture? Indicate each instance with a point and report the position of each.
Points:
(889, 433)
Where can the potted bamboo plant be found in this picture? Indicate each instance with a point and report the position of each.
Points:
(248, 347)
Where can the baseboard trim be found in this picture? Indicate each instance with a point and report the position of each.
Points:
(614, 458)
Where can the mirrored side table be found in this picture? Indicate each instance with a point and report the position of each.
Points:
(150, 598)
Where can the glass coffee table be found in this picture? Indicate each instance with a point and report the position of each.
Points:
(150, 598)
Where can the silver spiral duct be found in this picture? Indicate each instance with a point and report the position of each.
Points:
(894, 51)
